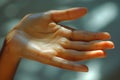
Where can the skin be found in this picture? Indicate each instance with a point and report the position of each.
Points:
(39, 37)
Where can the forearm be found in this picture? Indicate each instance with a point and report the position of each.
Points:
(8, 63)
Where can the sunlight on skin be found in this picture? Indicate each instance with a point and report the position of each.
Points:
(39, 37)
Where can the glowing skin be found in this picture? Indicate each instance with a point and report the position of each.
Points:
(39, 37)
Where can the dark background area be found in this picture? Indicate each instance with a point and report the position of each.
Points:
(103, 15)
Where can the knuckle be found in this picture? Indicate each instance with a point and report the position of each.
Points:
(64, 42)
(66, 32)
(69, 33)
(59, 50)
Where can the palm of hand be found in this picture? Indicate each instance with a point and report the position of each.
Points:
(46, 44)
(45, 37)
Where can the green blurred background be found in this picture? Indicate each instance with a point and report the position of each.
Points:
(104, 15)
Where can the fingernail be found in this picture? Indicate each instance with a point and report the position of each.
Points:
(110, 45)
(83, 68)
(84, 10)
(101, 54)
(107, 35)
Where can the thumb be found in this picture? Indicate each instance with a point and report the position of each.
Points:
(68, 14)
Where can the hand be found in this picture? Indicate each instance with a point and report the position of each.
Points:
(39, 37)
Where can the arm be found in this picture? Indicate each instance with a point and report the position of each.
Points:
(8, 63)
(39, 37)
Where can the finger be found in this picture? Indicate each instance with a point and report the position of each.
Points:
(55, 61)
(75, 55)
(65, 64)
(85, 46)
(89, 36)
(61, 63)
(68, 14)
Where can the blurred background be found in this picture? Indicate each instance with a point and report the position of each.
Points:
(103, 15)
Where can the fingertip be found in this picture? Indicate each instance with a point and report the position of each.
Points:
(106, 35)
(98, 54)
(83, 10)
(83, 68)
(109, 45)
(102, 54)
(79, 11)
(86, 68)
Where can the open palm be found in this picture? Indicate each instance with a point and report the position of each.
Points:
(39, 37)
